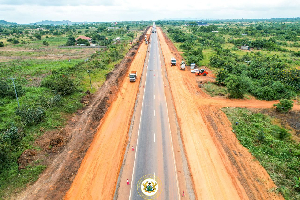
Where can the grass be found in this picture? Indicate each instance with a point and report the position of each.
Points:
(214, 90)
(271, 145)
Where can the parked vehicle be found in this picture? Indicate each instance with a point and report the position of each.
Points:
(201, 72)
(132, 76)
(173, 61)
(182, 66)
(193, 65)
(194, 70)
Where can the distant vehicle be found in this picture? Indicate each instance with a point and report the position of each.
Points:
(193, 65)
(201, 72)
(173, 61)
(132, 76)
(182, 66)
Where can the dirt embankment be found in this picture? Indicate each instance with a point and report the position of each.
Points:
(70, 144)
(221, 167)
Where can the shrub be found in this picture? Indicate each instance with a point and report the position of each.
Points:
(12, 135)
(284, 105)
(45, 43)
(31, 115)
(1, 44)
(51, 102)
(59, 83)
(7, 90)
(236, 85)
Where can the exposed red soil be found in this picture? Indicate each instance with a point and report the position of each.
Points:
(221, 167)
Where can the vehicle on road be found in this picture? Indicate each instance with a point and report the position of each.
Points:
(201, 72)
(173, 61)
(182, 65)
(132, 76)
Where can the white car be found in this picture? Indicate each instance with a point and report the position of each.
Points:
(194, 70)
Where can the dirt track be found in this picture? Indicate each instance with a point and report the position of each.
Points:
(221, 168)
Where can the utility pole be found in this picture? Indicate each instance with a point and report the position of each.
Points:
(88, 71)
(13, 79)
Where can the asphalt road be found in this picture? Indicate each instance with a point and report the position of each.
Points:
(154, 152)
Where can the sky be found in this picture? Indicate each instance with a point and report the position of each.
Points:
(30, 11)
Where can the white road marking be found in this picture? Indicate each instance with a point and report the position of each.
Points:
(154, 137)
(154, 96)
(154, 112)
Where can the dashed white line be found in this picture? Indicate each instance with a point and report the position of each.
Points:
(154, 137)
(154, 96)
(154, 112)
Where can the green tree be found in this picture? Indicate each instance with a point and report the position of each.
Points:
(1, 44)
(71, 41)
(237, 86)
(38, 36)
(82, 41)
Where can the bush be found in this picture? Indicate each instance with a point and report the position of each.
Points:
(1, 44)
(7, 90)
(284, 105)
(59, 83)
(51, 102)
(12, 135)
(236, 85)
(45, 43)
(31, 115)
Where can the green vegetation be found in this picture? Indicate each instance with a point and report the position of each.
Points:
(215, 90)
(284, 105)
(270, 71)
(271, 145)
(49, 90)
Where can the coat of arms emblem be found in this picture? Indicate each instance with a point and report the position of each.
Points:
(149, 187)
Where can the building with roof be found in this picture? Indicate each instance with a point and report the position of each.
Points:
(84, 38)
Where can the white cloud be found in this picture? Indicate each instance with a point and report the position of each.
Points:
(27, 11)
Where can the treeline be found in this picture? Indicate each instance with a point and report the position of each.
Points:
(265, 77)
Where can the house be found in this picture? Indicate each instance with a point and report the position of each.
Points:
(112, 28)
(84, 38)
(202, 24)
(244, 47)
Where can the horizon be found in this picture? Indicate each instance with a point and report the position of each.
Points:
(174, 19)
(31, 11)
